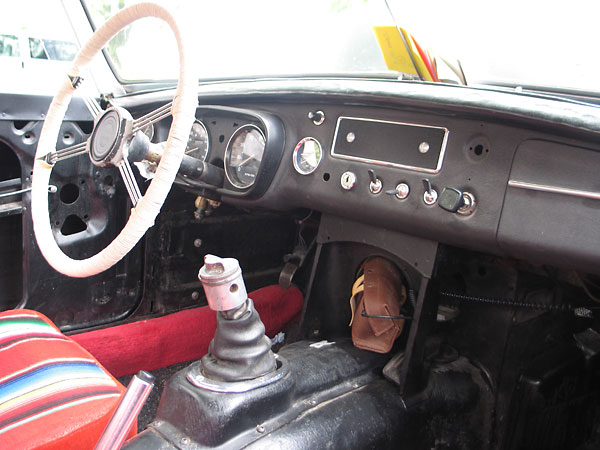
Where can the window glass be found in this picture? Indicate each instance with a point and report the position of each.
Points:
(39, 43)
(36, 49)
(51, 49)
(9, 45)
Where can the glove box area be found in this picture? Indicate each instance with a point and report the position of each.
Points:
(552, 206)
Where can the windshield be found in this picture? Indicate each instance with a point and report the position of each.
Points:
(541, 44)
(249, 39)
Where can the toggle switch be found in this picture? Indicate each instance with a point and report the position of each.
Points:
(376, 185)
(430, 195)
(401, 191)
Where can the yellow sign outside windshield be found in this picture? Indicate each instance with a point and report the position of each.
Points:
(396, 54)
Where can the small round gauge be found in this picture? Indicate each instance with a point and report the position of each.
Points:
(243, 155)
(307, 156)
(197, 146)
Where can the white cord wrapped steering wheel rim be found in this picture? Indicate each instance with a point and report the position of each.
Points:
(148, 207)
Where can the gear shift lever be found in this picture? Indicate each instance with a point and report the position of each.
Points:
(240, 350)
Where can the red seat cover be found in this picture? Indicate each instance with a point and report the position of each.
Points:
(53, 393)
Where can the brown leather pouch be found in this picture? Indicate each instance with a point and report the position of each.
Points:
(377, 297)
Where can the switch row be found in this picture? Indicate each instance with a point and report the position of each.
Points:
(451, 199)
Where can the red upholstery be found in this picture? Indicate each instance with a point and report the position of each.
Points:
(53, 393)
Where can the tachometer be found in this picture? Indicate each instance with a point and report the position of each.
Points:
(197, 146)
(243, 155)
(307, 156)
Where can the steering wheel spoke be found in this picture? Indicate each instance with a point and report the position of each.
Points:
(66, 153)
(129, 180)
(152, 117)
(92, 105)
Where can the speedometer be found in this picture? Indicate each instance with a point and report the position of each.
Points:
(243, 155)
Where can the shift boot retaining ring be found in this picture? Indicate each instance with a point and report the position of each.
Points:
(198, 379)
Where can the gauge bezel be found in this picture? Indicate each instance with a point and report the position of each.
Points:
(295, 154)
(207, 139)
(227, 155)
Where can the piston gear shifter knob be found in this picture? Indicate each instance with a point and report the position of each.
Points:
(223, 283)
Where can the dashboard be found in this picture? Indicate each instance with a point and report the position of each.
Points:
(498, 178)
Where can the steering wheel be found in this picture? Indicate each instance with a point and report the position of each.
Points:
(108, 145)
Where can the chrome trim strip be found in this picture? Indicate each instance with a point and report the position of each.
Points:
(388, 163)
(554, 189)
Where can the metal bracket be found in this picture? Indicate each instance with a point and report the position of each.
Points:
(293, 261)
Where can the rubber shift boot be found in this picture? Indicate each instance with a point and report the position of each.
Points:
(240, 350)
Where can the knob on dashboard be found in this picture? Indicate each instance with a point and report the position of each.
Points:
(317, 117)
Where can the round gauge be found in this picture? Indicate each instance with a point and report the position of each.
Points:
(197, 146)
(307, 156)
(243, 155)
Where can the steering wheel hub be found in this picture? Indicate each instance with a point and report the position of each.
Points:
(111, 132)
